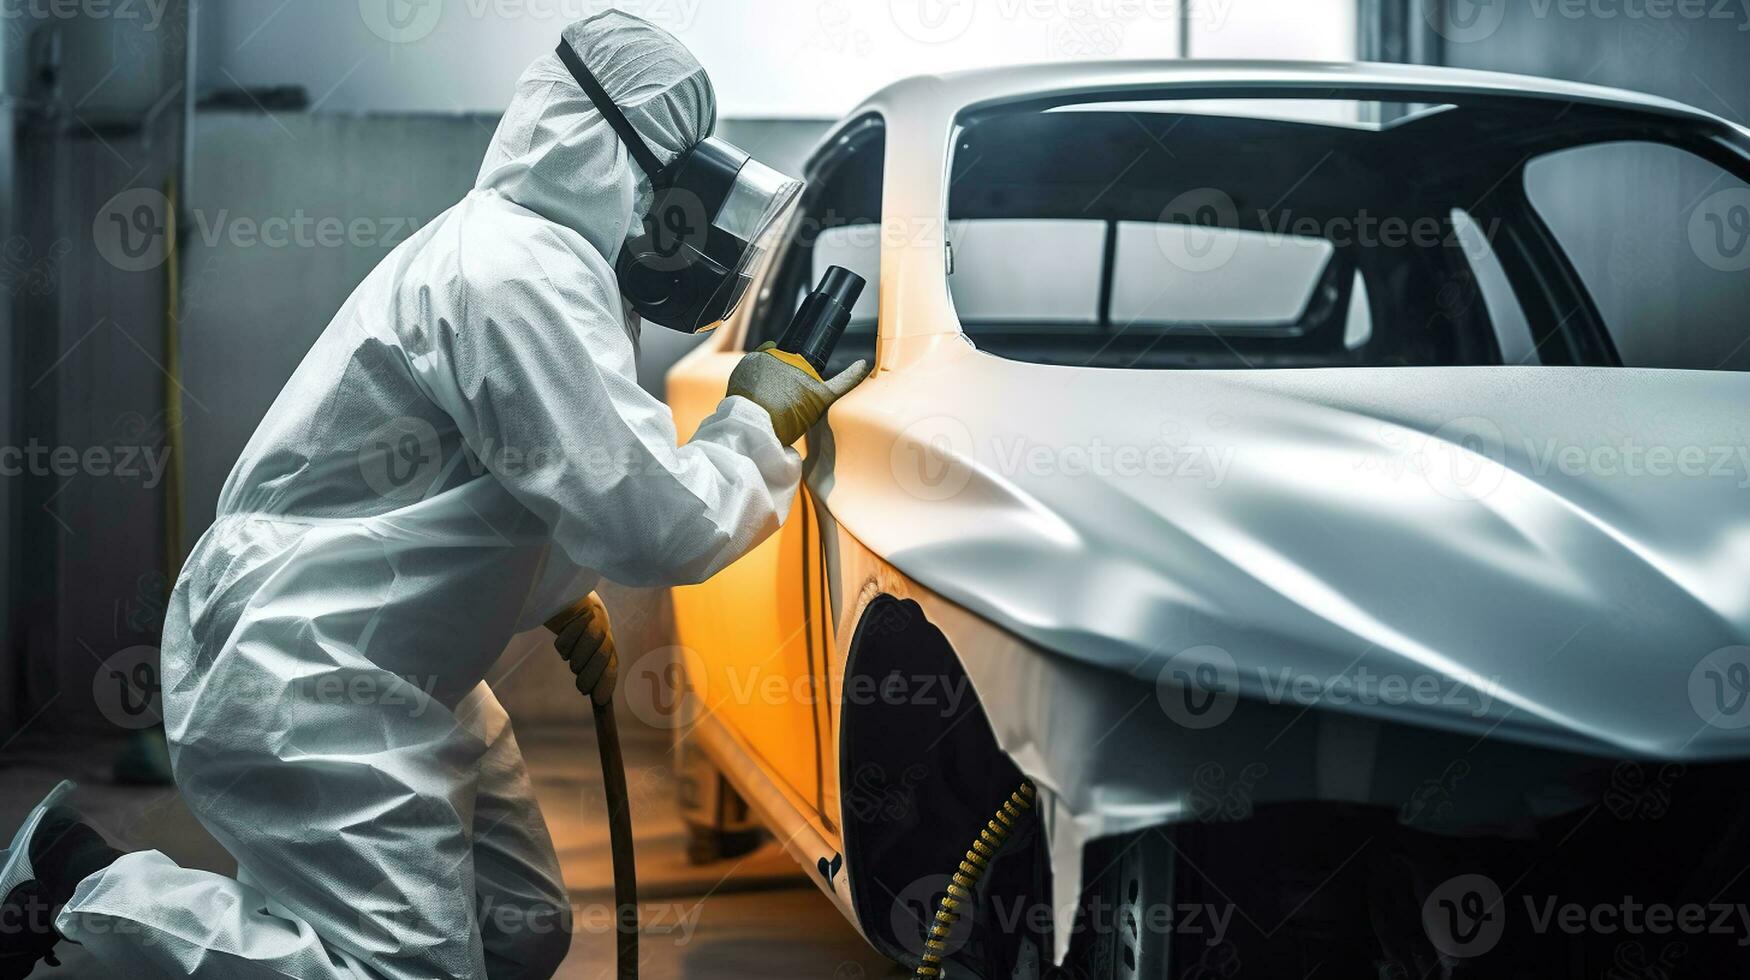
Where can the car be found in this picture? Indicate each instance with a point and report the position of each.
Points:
(1313, 496)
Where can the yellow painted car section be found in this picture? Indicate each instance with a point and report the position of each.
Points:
(747, 623)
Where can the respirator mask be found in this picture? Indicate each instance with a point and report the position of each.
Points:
(713, 212)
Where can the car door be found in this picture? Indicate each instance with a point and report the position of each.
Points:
(742, 631)
(753, 631)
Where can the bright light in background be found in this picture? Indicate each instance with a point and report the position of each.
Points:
(1299, 30)
(768, 58)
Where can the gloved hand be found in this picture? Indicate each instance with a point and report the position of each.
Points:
(788, 390)
(586, 640)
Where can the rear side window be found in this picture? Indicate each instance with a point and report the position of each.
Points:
(1661, 239)
(1162, 233)
(1027, 273)
(1245, 281)
(1170, 234)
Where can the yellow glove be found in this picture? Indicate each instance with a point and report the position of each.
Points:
(586, 640)
(786, 386)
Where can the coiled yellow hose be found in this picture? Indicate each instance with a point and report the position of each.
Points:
(991, 839)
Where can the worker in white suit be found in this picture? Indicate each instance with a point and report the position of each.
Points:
(463, 453)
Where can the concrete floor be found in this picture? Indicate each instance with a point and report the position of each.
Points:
(754, 917)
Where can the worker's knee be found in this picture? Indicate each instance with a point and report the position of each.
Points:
(525, 941)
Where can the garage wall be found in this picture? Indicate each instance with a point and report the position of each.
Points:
(251, 309)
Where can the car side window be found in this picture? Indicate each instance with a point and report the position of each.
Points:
(1661, 239)
(838, 222)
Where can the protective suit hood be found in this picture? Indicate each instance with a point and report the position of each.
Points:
(555, 155)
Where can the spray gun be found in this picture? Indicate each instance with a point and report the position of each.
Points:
(820, 321)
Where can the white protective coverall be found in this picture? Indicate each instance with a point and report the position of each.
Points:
(463, 452)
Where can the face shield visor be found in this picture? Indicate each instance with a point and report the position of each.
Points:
(714, 212)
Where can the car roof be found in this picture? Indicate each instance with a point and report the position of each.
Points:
(919, 116)
(925, 99)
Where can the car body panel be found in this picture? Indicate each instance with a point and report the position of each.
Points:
(1412, 521)
(756, 676)
(1335, 520)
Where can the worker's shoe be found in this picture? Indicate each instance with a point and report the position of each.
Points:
(51, 853)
